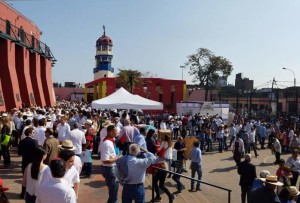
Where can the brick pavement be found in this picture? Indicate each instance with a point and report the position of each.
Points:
(218, 169)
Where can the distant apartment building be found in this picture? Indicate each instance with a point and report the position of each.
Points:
(243, 83)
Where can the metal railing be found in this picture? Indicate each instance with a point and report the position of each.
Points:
(196, 180)
(19, 36)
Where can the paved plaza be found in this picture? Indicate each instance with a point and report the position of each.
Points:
(218, 169)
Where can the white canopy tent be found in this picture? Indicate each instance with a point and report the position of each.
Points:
(122, 99)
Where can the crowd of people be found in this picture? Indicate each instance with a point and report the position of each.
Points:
(57, 145)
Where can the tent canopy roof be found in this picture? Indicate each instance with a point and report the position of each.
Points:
(122, 99)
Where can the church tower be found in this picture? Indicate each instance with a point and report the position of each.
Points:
(103, 57)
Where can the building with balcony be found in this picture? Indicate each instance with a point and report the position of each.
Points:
(26, 62)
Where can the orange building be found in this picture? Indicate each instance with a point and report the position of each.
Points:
(26, 62)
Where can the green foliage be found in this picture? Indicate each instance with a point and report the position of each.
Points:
(208, 68)
(124, 80)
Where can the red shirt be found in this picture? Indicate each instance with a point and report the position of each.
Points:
(89, 136)
(279, 172)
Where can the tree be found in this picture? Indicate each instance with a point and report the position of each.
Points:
(128, 78)
(208, 68)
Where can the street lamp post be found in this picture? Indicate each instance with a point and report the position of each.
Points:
(182, 67)
(294, 87)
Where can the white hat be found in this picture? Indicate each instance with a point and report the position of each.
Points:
(88, 121)
(4, 115)
(67, 144)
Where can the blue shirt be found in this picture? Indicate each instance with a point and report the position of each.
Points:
(257, 183)
(140, 140)
(196, 155)
(262, 131)
(137, 168)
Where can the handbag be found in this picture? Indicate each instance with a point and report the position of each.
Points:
(6, 140)
(151, 170)
(161, 153)
(121, 142)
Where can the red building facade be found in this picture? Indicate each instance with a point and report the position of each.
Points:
(167, 91)
(25, 63)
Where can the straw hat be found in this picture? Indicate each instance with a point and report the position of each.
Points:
(1, 186)
(107, 123)
(67, 144)
(272, 180)
(293, 191)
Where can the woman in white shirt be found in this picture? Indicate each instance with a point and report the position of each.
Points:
(167, 144)
(35, 174)
(71, 175)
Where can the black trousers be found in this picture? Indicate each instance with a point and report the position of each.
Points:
(5, 154)
(253, 145)
(160, 176)
(245, 193)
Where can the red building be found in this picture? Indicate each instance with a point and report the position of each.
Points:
(26, 62)
(167, 91)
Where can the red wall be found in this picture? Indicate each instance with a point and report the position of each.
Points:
(25, 76)
(22, 66)
(17, 19)
(64, 93)
(9, 79)
(151, 92)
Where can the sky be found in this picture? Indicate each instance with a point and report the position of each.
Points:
(257, 37)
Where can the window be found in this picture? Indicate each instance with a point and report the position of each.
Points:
(160, 98)
(172, 97)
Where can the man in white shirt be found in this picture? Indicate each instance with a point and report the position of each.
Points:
(163, 125)
(63, 130)
(108, 160)
(27, 125)
(128, 132)
(53, 118)
(39, 132)
(78, 138)
(81, 120)
(56, 189)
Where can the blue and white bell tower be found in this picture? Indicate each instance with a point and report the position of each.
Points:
(103, 57)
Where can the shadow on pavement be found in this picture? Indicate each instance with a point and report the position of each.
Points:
(95, 184)
(220, 170)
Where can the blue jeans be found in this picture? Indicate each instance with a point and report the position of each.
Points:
(109, 173)
(169, 161)
(199, 172)
(202, 144)
(209, 144)
(134, 193)
(88, 168)
(176, 178)
(221, 142)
